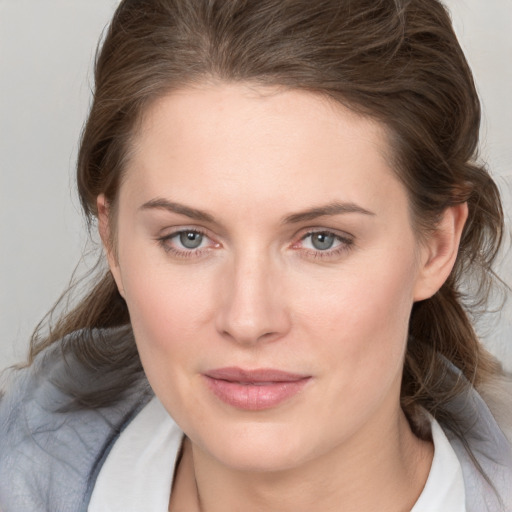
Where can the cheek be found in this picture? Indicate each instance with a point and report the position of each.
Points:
(166, 310)
(170, 315)
(168, 305)
(362, 314)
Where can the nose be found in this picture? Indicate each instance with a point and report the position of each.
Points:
(253, 303)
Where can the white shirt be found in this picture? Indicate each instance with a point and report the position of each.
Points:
(444, 490)
(138, 472)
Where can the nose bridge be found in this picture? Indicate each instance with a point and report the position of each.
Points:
(254, 305)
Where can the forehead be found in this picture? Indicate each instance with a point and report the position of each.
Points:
(237, 141)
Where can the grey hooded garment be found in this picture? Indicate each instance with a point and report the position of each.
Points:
(51, 452)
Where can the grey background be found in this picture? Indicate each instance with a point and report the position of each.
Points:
(46, 51)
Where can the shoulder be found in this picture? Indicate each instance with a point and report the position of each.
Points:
(484, 446)
(497, 394)
(50, 449)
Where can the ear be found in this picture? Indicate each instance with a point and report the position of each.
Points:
(439, 252)
(108, 241)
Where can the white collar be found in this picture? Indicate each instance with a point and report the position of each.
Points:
(444, 489)
(137, 474)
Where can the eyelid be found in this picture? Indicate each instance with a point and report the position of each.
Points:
(339, 234)
(164, 241)
(346, 240)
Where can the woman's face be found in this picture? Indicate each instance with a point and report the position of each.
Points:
(266, 255)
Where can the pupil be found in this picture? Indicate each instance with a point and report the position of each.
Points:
(323, 241)
(191, 239)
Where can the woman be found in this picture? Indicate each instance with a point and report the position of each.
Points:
(288, 198)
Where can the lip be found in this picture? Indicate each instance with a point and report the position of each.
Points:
(254, 390)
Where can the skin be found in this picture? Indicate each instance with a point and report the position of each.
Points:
(258, 293)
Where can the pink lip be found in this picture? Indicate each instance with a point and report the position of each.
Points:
(254, 390)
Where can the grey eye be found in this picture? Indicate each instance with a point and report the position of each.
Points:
(191, 239)
(322, 241)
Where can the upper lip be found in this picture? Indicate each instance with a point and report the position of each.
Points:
(234, 374)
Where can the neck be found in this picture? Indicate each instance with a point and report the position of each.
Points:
(384, 470)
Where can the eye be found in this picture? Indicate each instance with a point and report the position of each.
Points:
(324, 244)
(322, 241)
(186, 243)
(190, 239)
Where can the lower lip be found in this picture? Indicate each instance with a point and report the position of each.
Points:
(253, 397)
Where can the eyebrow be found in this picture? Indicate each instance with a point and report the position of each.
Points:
(181, 209)
(335, 208)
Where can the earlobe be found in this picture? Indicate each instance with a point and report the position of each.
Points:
(439, 253)
(107, 240)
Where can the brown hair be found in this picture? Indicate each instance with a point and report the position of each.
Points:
(397, 61)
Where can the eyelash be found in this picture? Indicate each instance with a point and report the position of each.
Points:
(182, 253)
(345, 244)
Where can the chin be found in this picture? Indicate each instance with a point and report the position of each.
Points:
(257, 447)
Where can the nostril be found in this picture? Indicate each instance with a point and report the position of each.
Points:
(249, 335)
(267, 335)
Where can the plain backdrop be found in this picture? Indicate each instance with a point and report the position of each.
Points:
(46, 53)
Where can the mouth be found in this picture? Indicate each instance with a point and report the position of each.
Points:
(254, 390)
